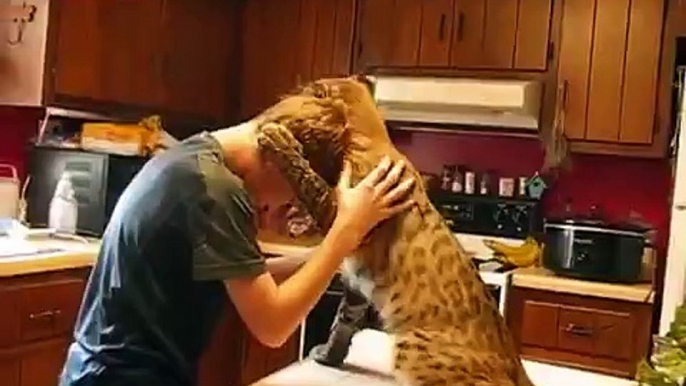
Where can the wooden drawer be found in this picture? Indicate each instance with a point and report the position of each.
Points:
(595, 332)
(49, 310)
(585, 332)
(37, 311)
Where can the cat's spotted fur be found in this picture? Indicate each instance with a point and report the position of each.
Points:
(447, 328)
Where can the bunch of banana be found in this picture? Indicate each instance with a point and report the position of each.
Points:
(525, 255)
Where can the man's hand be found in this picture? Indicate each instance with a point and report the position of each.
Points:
(376, 198)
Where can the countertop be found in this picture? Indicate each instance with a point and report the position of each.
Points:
(47, 254)
(39, 255)
(544, 279)
(370, 360)
(19, 257)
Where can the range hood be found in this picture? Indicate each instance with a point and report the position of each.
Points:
(495, 103)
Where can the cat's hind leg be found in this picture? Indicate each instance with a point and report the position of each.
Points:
(441, 358)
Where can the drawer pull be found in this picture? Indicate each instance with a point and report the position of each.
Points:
(49, 314)
(578, 330)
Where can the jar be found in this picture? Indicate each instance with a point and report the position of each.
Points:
(506, 187)
(457, 182)
(469, 182)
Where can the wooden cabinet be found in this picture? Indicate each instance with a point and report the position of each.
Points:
(235, 357)
(9, 371)
(608, 73)
(201, 58)
(459, 34)
(106, 51)
(38, 314)
(607, 336)
(166, 56)
(307, 39)
(260, 361)
(175, 58)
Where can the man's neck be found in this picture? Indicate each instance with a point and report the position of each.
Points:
(239, 147)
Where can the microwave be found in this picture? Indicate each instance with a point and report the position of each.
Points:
(99, 179)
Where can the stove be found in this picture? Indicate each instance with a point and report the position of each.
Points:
(475, 218)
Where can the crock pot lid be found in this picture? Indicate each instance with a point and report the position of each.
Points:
(599, 224)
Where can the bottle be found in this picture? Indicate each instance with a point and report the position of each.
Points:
(522, 186)
(485, 183)
(469, 182)
(456, 186)
(446, 177)
(63, 206)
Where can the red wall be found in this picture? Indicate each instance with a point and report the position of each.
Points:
(17, 126)
(620, 185)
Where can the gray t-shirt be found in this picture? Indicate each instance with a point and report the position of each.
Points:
(183, 225)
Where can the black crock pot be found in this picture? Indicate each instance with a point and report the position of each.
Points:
(594, 250)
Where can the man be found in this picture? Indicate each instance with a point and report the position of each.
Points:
(182, 237)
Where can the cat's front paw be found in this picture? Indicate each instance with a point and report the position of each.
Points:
(277, 138)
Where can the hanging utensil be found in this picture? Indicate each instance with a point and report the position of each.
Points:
(20, 15)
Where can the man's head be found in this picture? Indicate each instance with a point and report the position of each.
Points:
(271, 193)
(318, 115)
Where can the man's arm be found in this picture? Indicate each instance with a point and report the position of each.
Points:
(283, 267)
(273, 312)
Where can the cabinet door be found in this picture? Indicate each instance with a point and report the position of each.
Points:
(108, 51)
(220, 364)
(324, 39)
(260, 361)
(609, 58)
(307, 39)
(43, 365)
(436, 32)
(486, 32)
(534, 20)
(389, 33)
(9, 371)
(501, 34)
(268, 73)
(200, 63)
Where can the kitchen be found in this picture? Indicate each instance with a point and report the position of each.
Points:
(607, 71)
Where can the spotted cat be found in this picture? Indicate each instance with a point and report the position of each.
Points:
(430, 297)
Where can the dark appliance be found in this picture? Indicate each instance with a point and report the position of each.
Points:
(320, 320)
(98, 178)
(489, 215)
(595, 250)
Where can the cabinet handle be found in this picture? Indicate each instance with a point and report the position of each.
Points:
(680, 207)
(48, 314)
(441, 28)
(460, 25)
(578, 330)
(563, 93)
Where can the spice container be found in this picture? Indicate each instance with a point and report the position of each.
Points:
(457, 184)
(522, 186)
(484, 184)
(446, 177)
(469, 182)
(506, 187)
